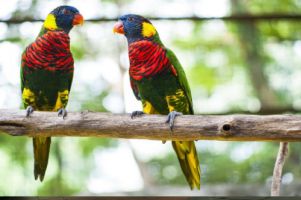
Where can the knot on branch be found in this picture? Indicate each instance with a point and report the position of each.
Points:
(84, 114)
(226, 129)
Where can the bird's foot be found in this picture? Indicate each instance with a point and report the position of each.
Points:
(29, 111)
(171, 118)
(62, 112)
(137, 114)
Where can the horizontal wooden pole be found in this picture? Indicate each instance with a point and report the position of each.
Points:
(153, 127)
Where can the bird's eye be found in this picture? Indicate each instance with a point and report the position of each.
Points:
(130, 19)
(66, 12)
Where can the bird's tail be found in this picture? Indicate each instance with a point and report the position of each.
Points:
(41, 146)
(188, 158)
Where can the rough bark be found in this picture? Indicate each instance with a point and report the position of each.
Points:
(277, 174)
(153, 127)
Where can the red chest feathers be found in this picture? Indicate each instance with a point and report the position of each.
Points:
(50, 52)
(147, 59)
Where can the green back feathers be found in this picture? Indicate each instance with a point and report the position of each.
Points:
(181, 76)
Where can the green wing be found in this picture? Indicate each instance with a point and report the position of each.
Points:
(186, 150)
(181, 76)
(22, 73)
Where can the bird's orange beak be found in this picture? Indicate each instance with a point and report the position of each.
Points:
(78, 20)
(118, 28)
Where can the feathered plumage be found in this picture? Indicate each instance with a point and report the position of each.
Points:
(159, 81)
(46, 74)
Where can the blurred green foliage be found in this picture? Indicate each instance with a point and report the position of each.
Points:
(216, 60)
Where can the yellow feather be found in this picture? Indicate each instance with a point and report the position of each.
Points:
(62, 99)
(148, 108)
(185, 150)
(177, 97)
(188, 159)
(148, 30)
(50, 22)
(28, 96)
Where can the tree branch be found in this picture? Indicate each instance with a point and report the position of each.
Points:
(153, 127)
(277, 174)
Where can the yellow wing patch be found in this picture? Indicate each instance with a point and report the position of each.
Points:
(50, 22)
(148, 30)
(148, 108)
(177, 102)
(28, 96)
(62, 99)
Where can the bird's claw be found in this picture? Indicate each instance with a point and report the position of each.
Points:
(62, 112)
(29, 111)
(171, 118)
(137, 114)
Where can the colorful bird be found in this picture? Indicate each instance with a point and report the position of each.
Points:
(159, 81)
(46, 74)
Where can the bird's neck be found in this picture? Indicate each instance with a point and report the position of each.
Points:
(45, 30)
(42, 31)
(154, 39)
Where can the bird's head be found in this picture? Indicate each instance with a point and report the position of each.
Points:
(63, 18)
(135, 27)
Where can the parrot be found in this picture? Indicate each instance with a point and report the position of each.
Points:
(46, 72)
(158, 80)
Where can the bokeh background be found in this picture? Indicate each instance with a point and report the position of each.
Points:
(233, 66)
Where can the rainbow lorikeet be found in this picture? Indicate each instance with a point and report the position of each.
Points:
(46, 74)
(159, 81)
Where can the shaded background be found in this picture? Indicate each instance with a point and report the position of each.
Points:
(232, 66)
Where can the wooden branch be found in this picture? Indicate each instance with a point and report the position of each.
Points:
(277, 174)
(153, 127)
